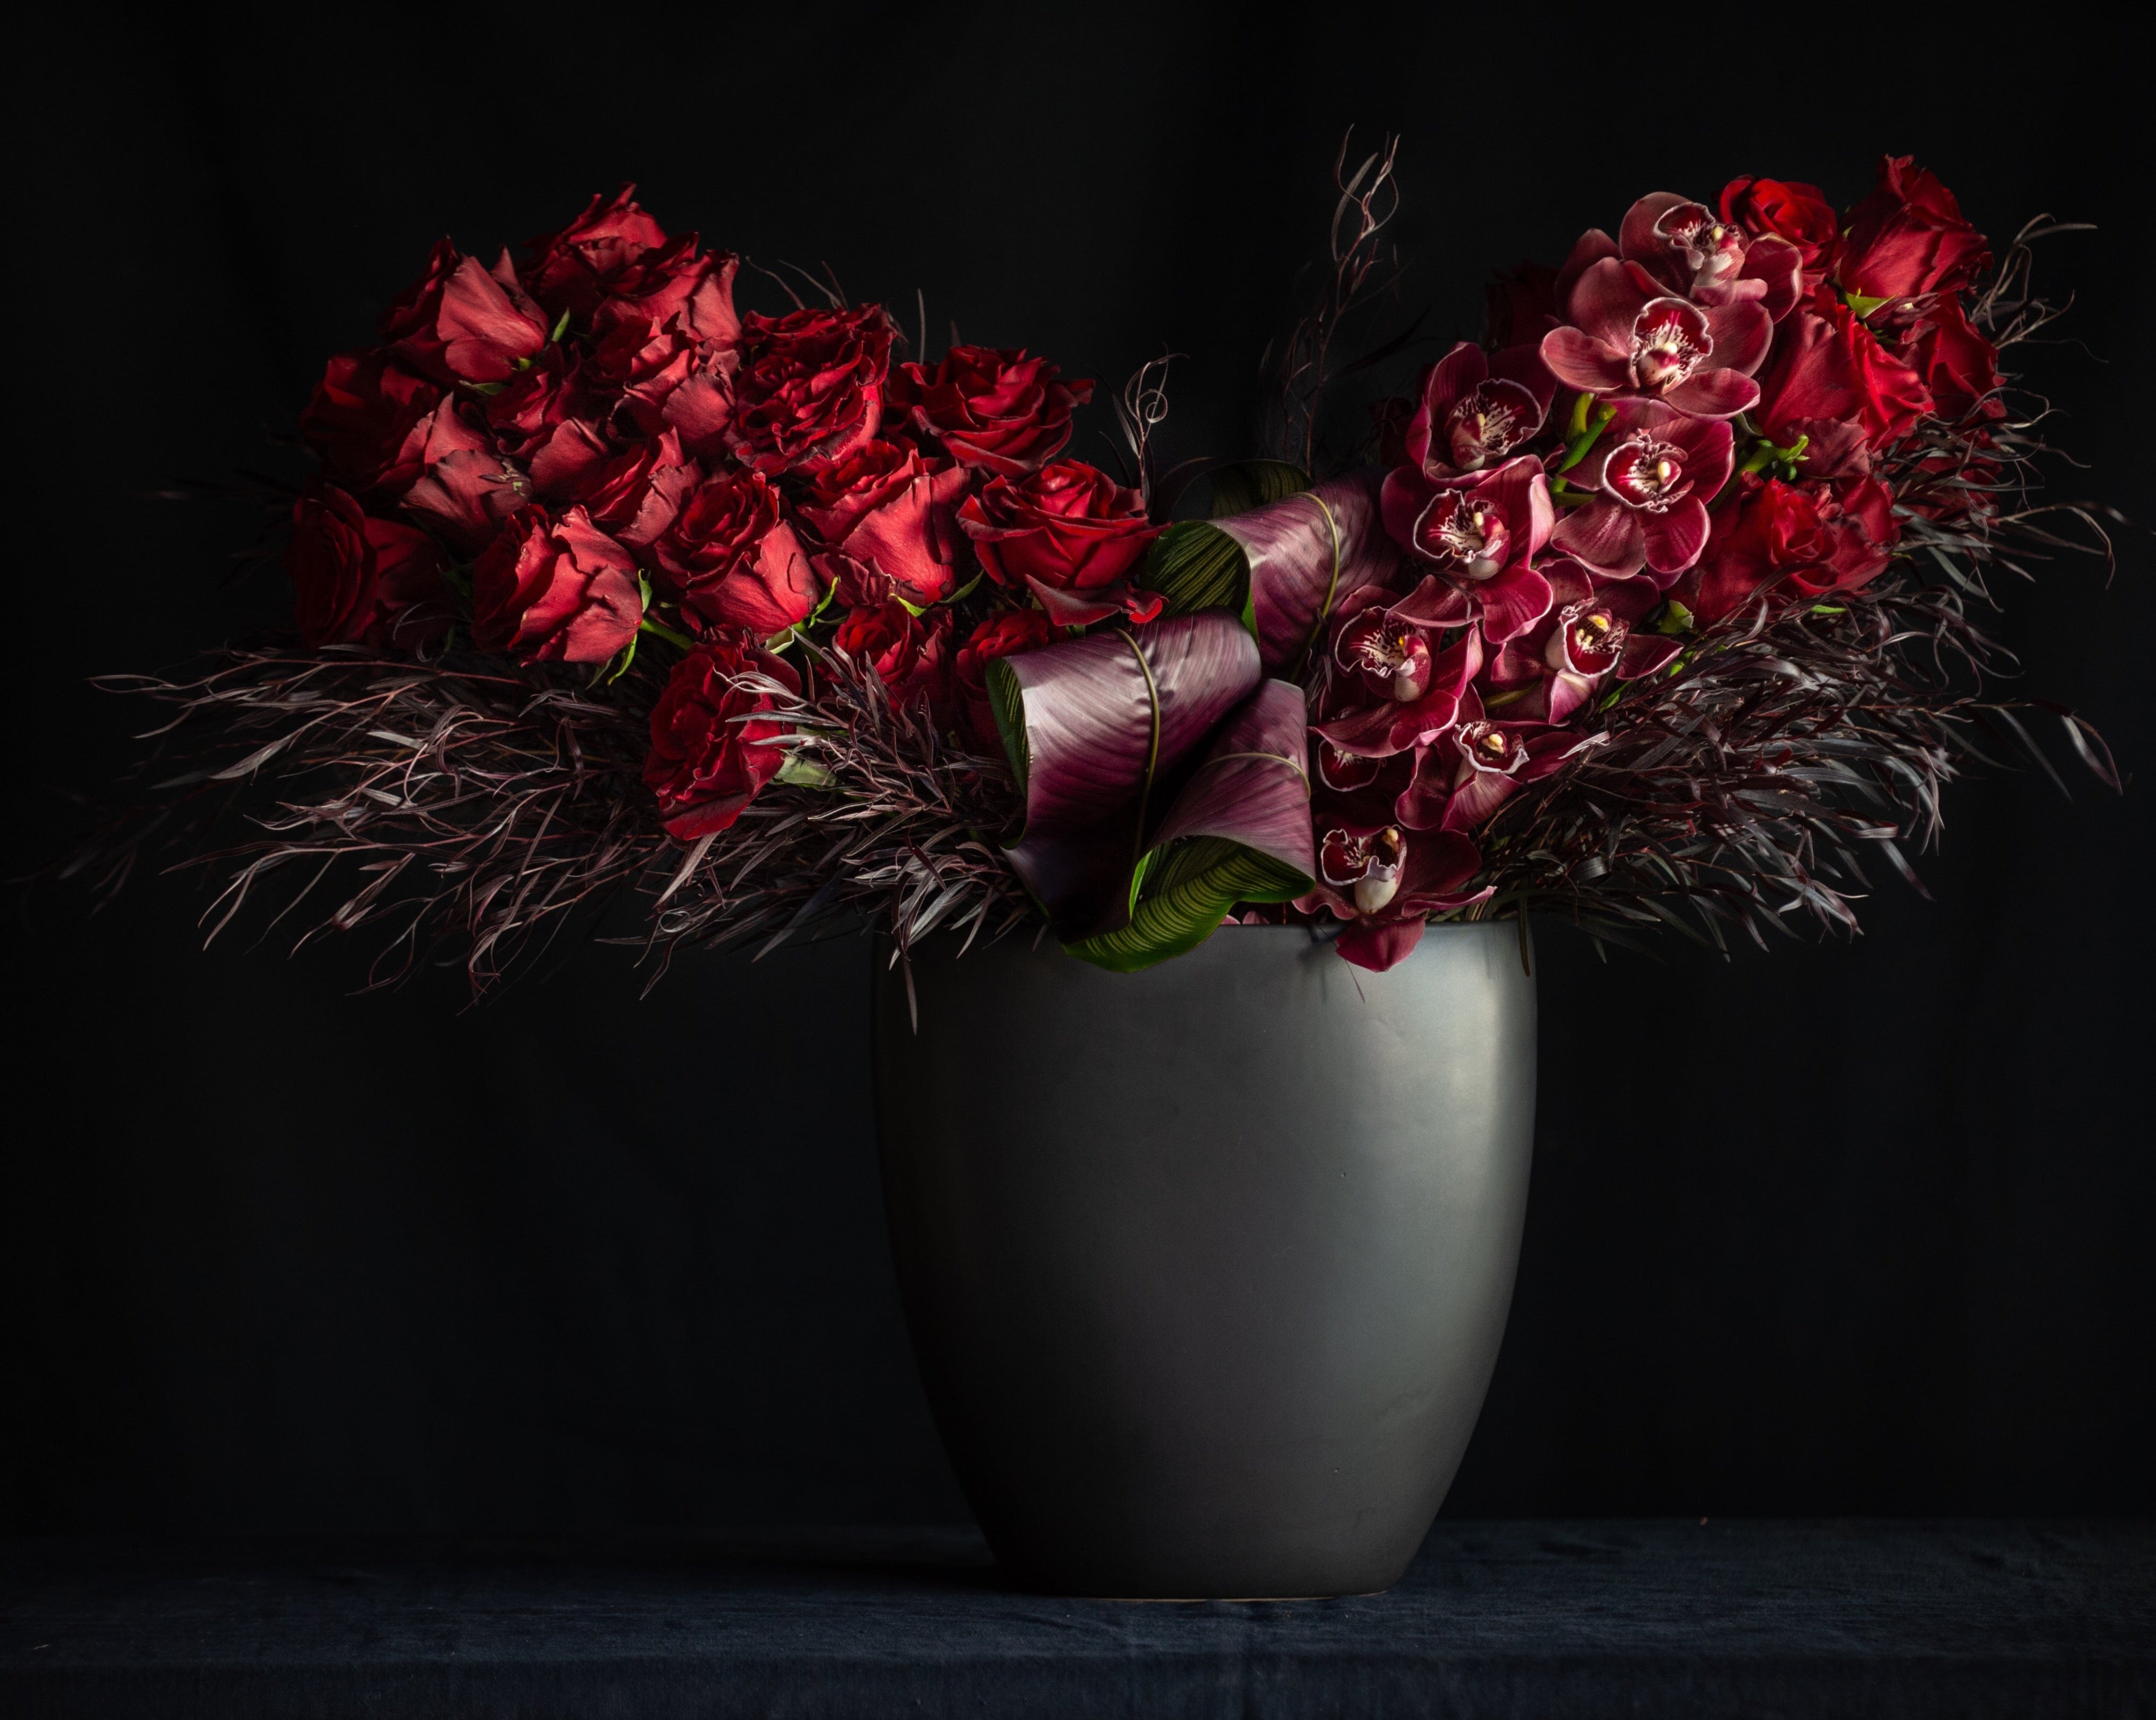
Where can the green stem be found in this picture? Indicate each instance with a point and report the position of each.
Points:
(680, 641)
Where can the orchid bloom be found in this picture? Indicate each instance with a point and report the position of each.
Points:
(1690, 249)
(1460, 783)
(1386, 881)
(1469, 419)
(1651, 476)
(1480, 533)
(1591, 635)
(1377, 645)
(1628, 338)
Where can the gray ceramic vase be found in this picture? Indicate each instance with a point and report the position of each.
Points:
(1207, 1266)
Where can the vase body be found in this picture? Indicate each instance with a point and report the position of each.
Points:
(1206, 1267)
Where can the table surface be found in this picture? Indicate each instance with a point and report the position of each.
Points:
(1541, 1619)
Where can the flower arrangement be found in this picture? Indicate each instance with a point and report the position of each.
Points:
(1653, 607)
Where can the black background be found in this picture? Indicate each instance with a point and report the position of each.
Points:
(1858, 1227)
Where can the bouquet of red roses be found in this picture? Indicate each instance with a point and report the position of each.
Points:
(1649, 608)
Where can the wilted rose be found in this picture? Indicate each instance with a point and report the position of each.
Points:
(363, 421)
(890, 517)
(459, 323)
(466, 486)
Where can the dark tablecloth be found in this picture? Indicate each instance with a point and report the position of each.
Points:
(1544, 1620)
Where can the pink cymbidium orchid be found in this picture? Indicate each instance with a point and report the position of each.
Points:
(1480, 533)
(1460, 781)
(1386, 881)
(1630, 338)
(1393, 724)
(1652, 475)
(1467, 419)
(1696, 255)
(1593, 635)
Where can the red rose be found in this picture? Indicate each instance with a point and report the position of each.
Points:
(1958, 364)
(909, 652)
(466, 487)
(733, 561)
(1819, 539)
(461, 324)
(534, 403)
(1069, 534)
(613, 263)
(705, 765)
(1908, 238)
(1004, 635)
(356, 578)
(574, 268)
(1788, 209)
(637, 493)
(364, 418)
(992, 408)
(555, 591)
(890, 516)
(1829, 378)
(809, 386)
(643, 365)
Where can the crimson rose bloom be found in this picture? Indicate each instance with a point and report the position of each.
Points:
(909, 652)
(364, 418)
(1958, 364)
(462, 324)
(1788, 209)
(733, 561)
(574, 268)
(810, 386)
(358, 578)
(1832, 380)
(992, 408)
(1820, 538)
(466, 487)
(1005, 635)
(890, 516)
(705, 765)
(1908, 238)
(614, 264)
(1069, 534)
(555, 591)
(634, 493)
